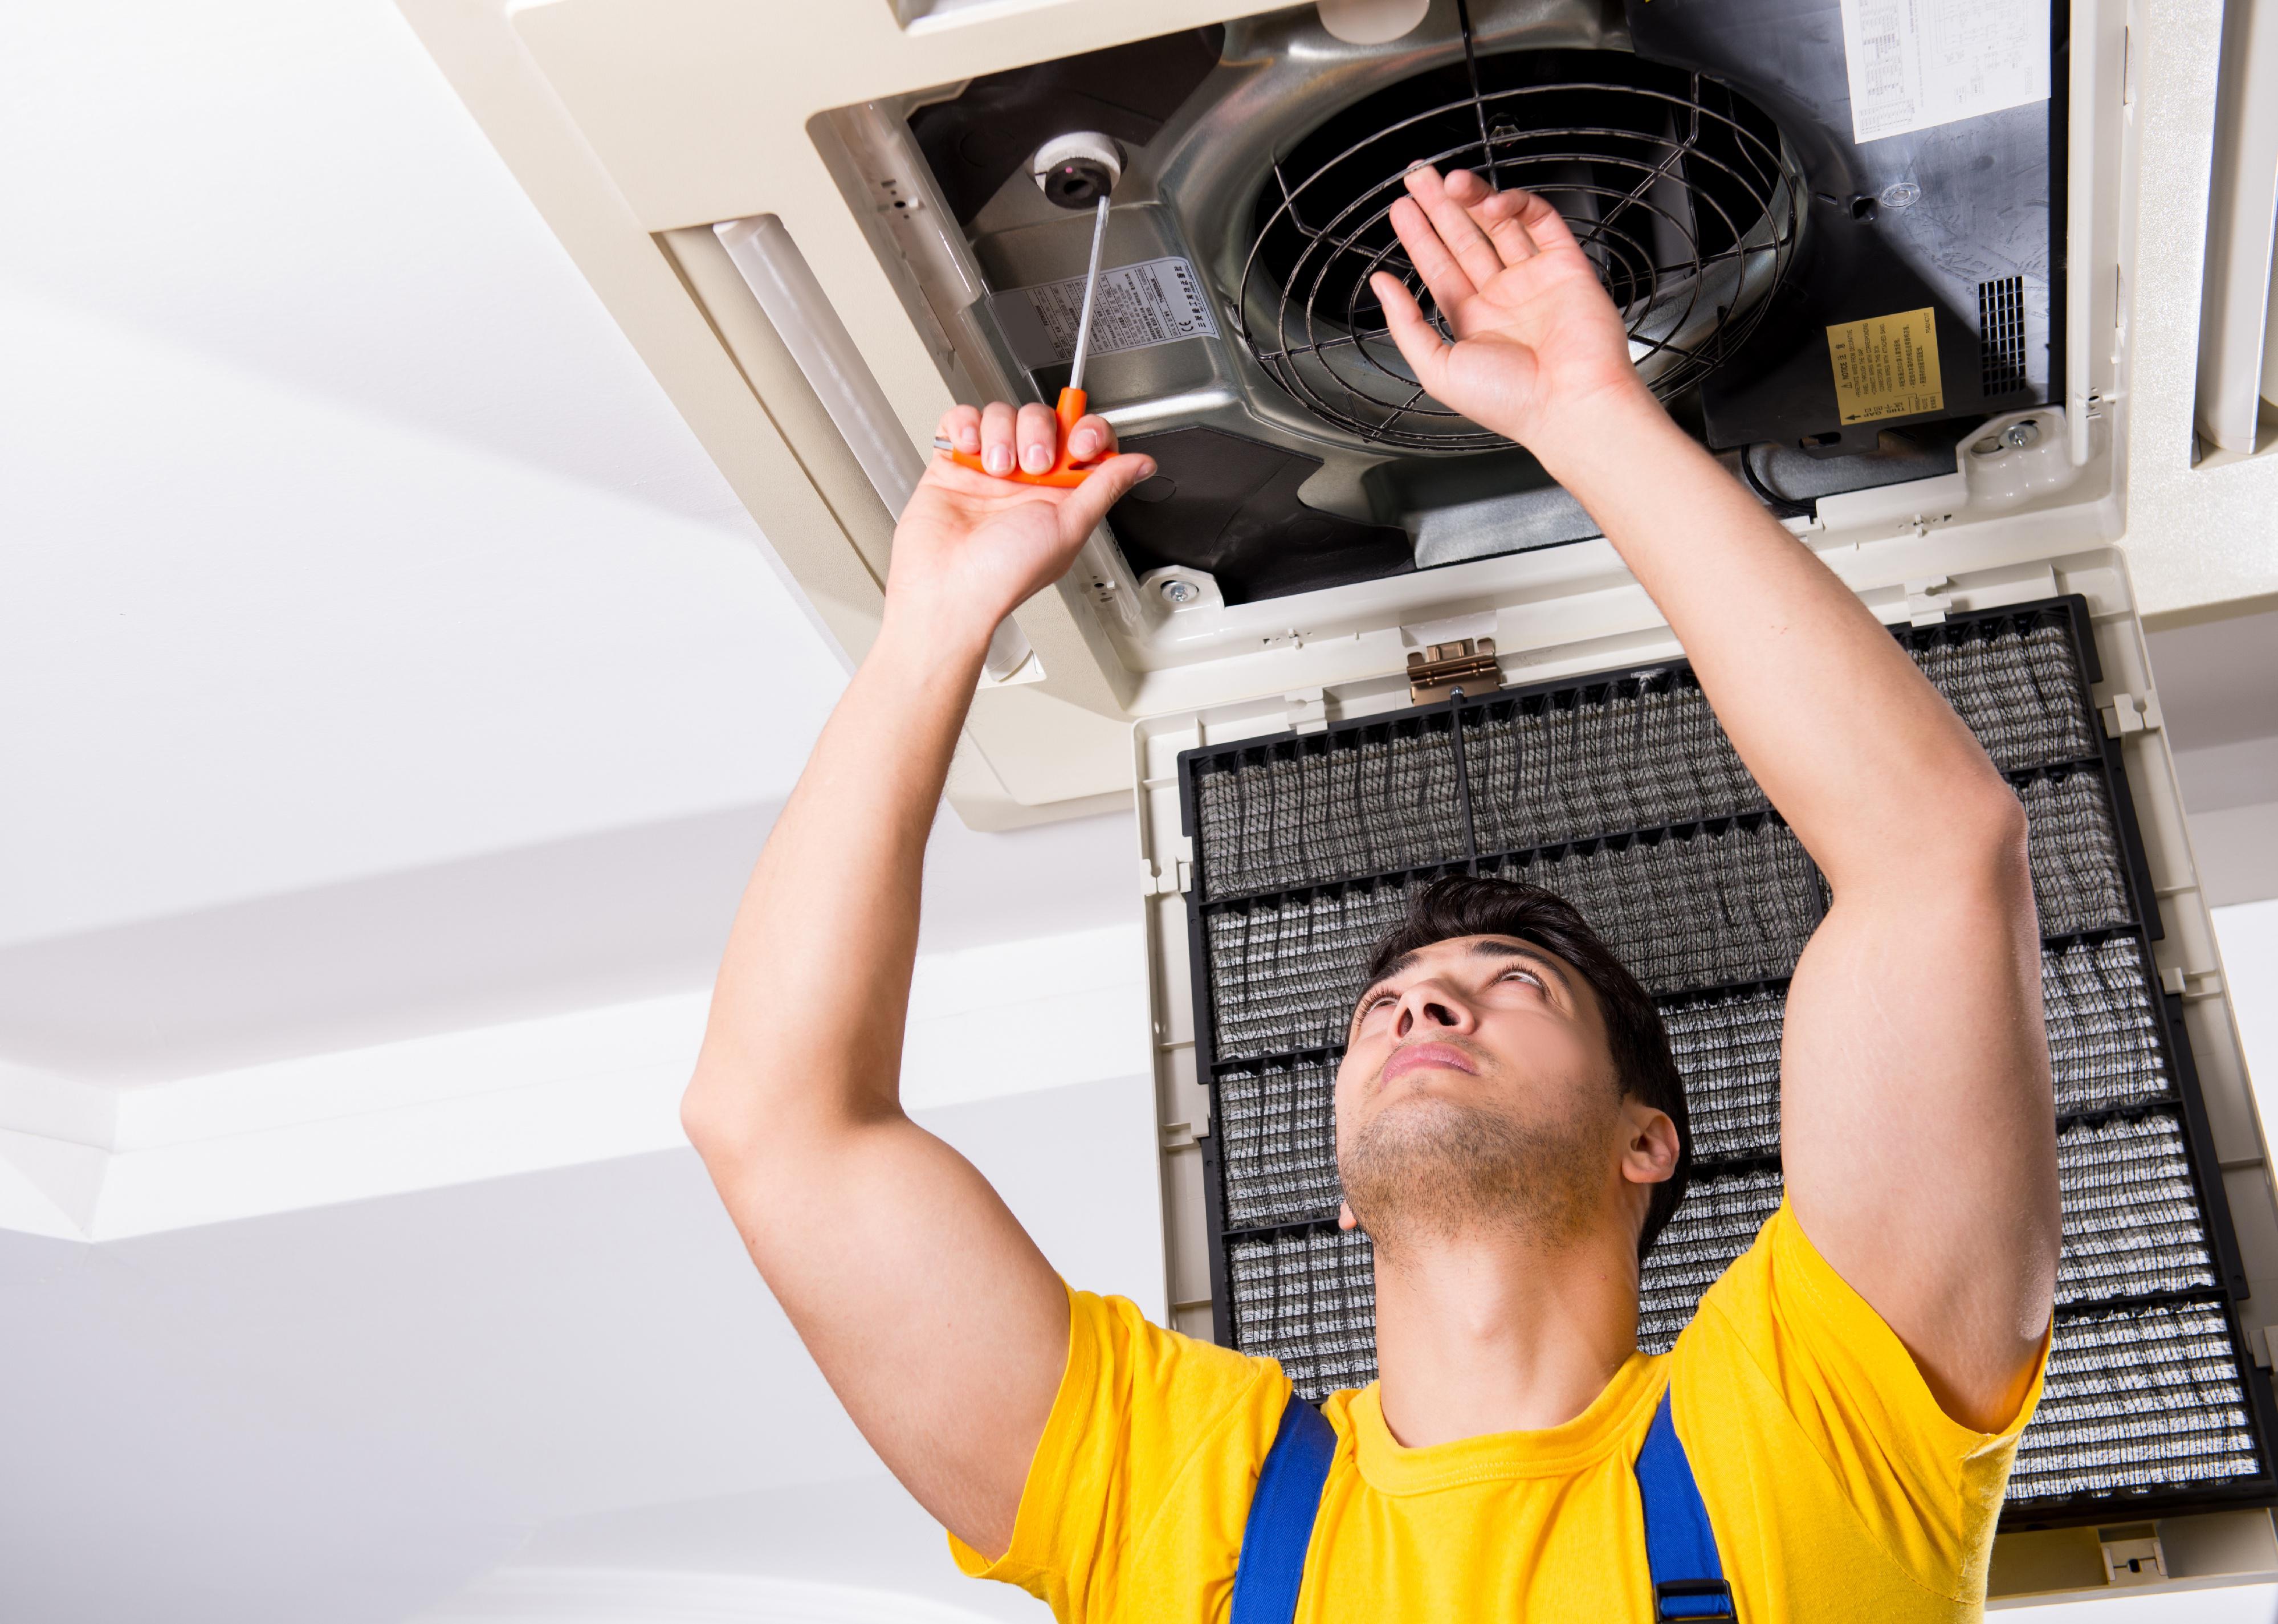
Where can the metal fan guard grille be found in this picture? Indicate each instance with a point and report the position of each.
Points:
(1322, 337)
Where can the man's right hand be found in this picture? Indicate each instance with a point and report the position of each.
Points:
(972, 547)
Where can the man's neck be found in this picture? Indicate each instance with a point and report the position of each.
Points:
(1481, 1333)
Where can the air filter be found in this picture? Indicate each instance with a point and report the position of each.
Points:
(1276, 1127)
(1308, 1300)
(2138, 1401)
(1620, 792)
(1715, 1222)
(1727, 1049)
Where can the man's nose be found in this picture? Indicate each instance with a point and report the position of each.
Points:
(1430, 1006)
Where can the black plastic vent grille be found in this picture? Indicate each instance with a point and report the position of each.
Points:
(1621, 792)
(2001, 336)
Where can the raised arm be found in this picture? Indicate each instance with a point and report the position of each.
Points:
(932, 1314)
(1916, 1127)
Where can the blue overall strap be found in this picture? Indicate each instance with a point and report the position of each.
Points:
(1680, 1548)
(1282, 1511)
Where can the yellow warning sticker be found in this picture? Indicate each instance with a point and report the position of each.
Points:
(1886, 366)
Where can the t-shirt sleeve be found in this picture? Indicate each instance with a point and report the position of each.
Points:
(1927, 1488)
(1151, 1448)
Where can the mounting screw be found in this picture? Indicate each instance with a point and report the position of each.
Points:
(1179, 591)
(2024, 434)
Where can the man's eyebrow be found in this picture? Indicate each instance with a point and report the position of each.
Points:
(1486, 947)
(1490, 947)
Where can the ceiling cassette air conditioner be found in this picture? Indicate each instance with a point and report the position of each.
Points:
(1892, 301)
(822, 230)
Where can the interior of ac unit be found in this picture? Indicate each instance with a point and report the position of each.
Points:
(1309, 490)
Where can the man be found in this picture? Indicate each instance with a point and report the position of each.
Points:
(1849, 1394)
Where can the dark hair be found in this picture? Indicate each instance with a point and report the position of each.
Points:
(1464, 906)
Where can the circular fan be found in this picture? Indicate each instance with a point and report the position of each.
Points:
(1679, 189)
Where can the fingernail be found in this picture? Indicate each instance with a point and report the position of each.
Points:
(1147, 469)
(969, 441)
(1036, 459)
(1083, 444)
(997, 461)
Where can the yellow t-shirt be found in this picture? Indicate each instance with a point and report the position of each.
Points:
(1836, 1487)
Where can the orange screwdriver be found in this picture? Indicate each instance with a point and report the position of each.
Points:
(1065, 471)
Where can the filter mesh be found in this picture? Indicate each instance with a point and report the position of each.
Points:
(2079, 882)
(1368, 802)
(1727, 1049)
(1716, 1222)
(1622, 794)
(2133, 1224)
(2021, 690)
(1309, 1300)
(1603, 760)
(2147, 1398)
(1697, 910)
(1277, 1128)
(1283, 975)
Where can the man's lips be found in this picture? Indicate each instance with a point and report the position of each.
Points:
(1414, 1056)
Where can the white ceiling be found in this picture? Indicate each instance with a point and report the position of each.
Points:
(345, 1415)
(378, 652)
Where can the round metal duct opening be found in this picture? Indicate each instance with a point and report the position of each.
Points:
(1679, 190)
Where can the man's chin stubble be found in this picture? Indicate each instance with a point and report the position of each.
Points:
(1428, 1170)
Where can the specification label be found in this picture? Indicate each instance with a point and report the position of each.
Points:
(1157, 302)
(1915, 63)
(1886, 366)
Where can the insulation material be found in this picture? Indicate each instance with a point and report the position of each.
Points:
(1371, 801)
(1606, 759)
(1276, 1125)
(1727, 1049)
(2079, 880)
(2139, 1399)
(2020, 689)
(1696, 908)
(2104, 1033)
(1309, 1300)
(2133, 1226)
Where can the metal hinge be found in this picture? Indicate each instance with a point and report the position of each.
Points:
(1436, 671)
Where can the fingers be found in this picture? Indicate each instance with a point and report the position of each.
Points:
(1544, 225)
(996, 428)
(960, 426)
(1441, 273)
(1501, 216)
(1092, 437)
(1419, 342)
(1455, 227)
(1039, 437)
(1088, 503)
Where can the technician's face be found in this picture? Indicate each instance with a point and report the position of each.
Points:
(1476, 1048)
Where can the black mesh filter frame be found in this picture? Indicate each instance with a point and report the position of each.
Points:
(1680, 193)
(2156, 1264)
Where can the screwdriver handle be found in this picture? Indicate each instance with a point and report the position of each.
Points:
(1064, 472)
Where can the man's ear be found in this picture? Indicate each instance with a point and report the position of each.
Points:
(1649, 1144)
(1345, 1219)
